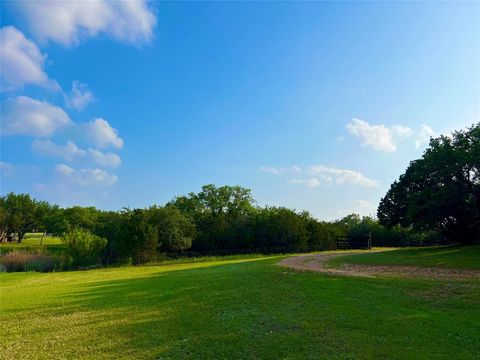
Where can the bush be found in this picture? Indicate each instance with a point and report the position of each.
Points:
(83, 248)
(24, 261)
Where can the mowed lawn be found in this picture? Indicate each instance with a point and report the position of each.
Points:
(33, 242)
(236, 309)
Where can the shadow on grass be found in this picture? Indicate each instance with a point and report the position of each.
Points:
(184, 312)
(244, 310)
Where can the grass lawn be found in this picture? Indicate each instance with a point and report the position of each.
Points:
(455, 257)
(31, 241)
(235, 309)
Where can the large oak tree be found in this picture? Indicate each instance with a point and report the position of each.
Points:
(440, 191)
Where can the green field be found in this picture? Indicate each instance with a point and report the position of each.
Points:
(238, 309)
(466, 257)
(33, 242)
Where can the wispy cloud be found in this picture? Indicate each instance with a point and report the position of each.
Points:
(424, 135)
(280, 170)
(342, 176)
(385, 138)
(312, 182)
(6, 169)
(79, 97)
(316, 175)
(105, 159)
(361, 207)
(378, 137)
(71, 152)
(86, 177)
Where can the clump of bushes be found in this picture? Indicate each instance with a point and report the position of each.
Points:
(26, 261)
(83, 248)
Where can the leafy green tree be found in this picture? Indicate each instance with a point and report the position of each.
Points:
(175, 231)
(80, 217)
(54, 221)
(440, 191)
(19, 211)
(217, 213)
(43, 211)
(3, 222)
(321, 235)
(144, 237)
(280, 228)
(229, 200)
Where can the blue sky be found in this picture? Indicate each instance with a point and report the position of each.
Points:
(315, 106)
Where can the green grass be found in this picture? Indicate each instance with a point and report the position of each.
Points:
(455, 257)
(234, 309)
(31, 242)
(33, 239)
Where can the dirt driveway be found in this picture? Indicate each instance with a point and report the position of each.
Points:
(317, 262)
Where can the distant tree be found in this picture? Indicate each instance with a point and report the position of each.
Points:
(19, 211)
(321, 235)
(3, 222)
(138, 238)
(54, 221)
(440, 191)
(80, 217)
(112, 225)
(280, 228)
(43, 211)
(175, 231)
(217, 213)
(229, 200)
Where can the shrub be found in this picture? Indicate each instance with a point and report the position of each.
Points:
(83, 248)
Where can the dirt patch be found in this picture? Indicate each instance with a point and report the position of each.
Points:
(317, 263)
(448, 290)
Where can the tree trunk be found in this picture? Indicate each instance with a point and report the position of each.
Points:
(21, 235)
(43, 237)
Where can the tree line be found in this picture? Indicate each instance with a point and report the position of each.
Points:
(437, 199)
(216, 220)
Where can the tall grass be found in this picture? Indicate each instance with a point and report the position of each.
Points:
(27, 261)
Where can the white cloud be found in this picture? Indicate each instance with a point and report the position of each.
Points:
(280, 170)
(105, 159)
(69, 152)
(67, 22)
(424, 135)
(26, 116)
(86, 177)
(377, 136)
(102, 134)
(6, 169)
(402, 131)
(21, 61)
(384, 138)
(316, 175)
(361, 207)
(342, 176)
(79, 97)
(313, 182)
